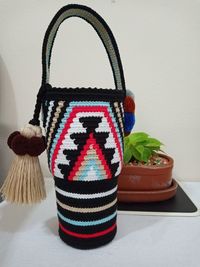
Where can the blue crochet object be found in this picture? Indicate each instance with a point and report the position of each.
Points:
(129, 118)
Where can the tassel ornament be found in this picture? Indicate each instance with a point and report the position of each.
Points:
(24, 183)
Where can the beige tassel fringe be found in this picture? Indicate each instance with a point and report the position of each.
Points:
(25, 182)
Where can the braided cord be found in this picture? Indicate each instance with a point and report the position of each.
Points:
(103, 31)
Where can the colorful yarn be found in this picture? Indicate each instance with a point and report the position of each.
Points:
(87, 223)
(76, 116)
(129, 119)
(129, 112)
(86, 210)
(84, 133)
(85, 153)
(89, 214)
(86, 196)
(129, 104)
(93, 235)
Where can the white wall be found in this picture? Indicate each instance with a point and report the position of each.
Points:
(159, 43)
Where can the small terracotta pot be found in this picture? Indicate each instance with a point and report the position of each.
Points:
(144, 178)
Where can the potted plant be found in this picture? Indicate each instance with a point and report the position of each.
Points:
(147, 171)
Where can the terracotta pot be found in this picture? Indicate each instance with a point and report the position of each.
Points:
(148, 196)
(145, 178)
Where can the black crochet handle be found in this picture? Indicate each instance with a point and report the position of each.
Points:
(104, 32)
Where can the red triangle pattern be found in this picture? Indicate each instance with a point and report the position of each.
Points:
(90, 141)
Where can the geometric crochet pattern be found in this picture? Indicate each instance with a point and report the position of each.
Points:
(85, 153)
(84, 138)
(91, 163)
(91, 130)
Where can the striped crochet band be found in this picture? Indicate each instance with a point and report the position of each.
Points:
(86, 196)
(87, 210)
(87, 223)
(87, 236)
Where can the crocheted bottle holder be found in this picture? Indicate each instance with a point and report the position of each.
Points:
(84, 135)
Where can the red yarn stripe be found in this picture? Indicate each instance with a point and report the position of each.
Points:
(90, 141)
(74, 111)
(104, 232)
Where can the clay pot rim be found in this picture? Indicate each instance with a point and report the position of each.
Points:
(170, 164)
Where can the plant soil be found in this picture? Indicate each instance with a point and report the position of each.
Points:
(154, 161)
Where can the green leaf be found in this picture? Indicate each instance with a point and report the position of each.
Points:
(140, 146)
(138, 137)
(146, 154)
(136, 154)
(140, 149)
(127, 145)
(126, 140)
(152, 142)
(127, 155)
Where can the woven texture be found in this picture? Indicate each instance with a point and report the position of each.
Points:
(84, 137)
(85, 152)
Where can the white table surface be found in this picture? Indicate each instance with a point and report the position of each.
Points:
(29, 238)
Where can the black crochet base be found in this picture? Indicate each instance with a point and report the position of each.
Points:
(88, 244)
(84, 133)
(86, 212)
